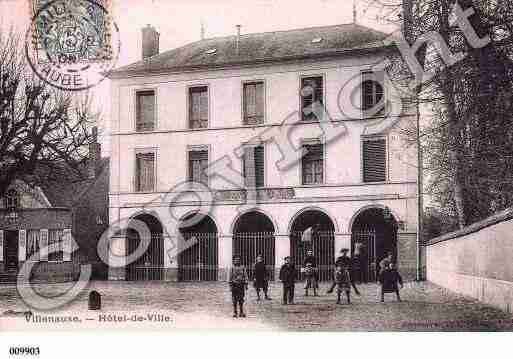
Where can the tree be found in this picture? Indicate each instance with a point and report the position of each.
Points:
(468, 142)
(43, 131)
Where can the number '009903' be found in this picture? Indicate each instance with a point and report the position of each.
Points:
(19, 351)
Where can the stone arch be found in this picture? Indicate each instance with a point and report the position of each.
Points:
(150, 265)
(259, 210)
(313, 208)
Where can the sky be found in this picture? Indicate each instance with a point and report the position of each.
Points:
(179, 22)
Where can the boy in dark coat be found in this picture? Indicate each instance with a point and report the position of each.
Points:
(261, 277)
(342, 279)
(288, 278)
(238, 285)
(390, 280)
(344, 261)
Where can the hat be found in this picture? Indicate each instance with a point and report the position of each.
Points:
(287, 257)
(344, 250)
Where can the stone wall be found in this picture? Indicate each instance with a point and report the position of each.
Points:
(476, 261)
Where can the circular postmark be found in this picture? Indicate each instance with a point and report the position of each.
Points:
(72, 44)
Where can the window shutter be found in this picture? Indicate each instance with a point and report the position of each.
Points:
(198, 107)
(198, 161)
(22, 249)
(145, 111)
(145, 178)
(44, 245)
(259, 166)
(374, 161)
(66, 245)
(312, 164)
(33, 244)
(253, 103)
(249, 167)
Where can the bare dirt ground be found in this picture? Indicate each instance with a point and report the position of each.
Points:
(143, 305)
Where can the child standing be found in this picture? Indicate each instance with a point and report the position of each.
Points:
(261, 277)
(343, 282)
(238, 285)
(288, 278)
(389, 279)
(311, 281)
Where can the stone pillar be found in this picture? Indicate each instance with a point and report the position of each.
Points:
(22, 245)
(342, 240)
(282, 250)
(117, 251)
(170, 259)
(225, 254)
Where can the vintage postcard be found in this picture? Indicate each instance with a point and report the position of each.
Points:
(272, 166)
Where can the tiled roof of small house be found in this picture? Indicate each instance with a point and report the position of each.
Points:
(259, 48)
(66, 192)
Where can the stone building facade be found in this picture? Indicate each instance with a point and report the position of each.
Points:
(206, 113)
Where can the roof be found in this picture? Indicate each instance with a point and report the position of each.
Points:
(259, 48)
(66, 192)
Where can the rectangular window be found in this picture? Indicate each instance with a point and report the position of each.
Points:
(198, 162)
(145, 172)
(55, 241)
(313, 164)
(33, 244)
(374, 160)
(253, 166)
(312, 90)
(145, 111)
(372, 94)
(253, 103)
(198, 107)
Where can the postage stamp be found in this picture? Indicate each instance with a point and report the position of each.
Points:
(72, 44)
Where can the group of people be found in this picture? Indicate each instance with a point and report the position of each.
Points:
(389, 278)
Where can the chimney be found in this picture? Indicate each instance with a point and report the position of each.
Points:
(150, 41)
(95, 153)
(237, 40)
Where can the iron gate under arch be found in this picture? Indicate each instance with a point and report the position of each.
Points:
(248, 245)
(150, 265)
(365, 266)
(199, 261)
(323, 248)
